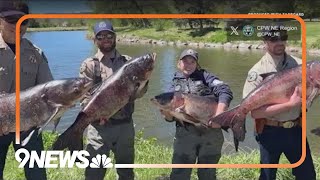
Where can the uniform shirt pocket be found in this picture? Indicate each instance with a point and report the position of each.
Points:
(28, 75)
(5, 78)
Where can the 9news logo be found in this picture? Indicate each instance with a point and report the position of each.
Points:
(61, 159)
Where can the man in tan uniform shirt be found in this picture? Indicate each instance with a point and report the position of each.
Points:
(276, 138)
(116, 134)
(34, 70)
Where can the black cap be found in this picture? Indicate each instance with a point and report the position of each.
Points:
(9, 8)
(103, 26)
(189, 52)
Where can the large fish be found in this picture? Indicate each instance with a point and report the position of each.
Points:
(190, 108)
(41, 104)
(194, 109)
(113, 94)
(273, 90)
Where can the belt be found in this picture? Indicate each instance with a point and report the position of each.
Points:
(285, 124)
(114, 121)
(119, 121)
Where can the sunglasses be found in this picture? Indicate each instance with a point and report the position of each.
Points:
(14, 20)
(104, 36)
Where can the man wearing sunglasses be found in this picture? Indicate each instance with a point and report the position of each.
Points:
(116, 134)
(275, 138)
(34, 70)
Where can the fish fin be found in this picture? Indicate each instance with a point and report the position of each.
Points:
(142, 89)
(234, 120)
(239, 132)
(226, 118)
(180, 109)
(312, 96)
(181, 122)
(27, 139)
(95, 88)
(199, 125)
(236, 143)
(267, 76)
(72, 137)
(55, 123)
(134, 94)
(316, 131)
(48, 121)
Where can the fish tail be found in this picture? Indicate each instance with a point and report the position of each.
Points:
(234, 119)
(72, 138)
(239, 132)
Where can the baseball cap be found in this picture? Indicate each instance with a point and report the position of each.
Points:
(276, 33)
(11, 8)
(103, 26)
(189, 52)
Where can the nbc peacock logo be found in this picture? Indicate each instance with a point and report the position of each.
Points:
(101, 161)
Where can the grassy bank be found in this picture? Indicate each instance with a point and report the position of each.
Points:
(172, 33)
(149, 151)
(210, 35)
(313, 35)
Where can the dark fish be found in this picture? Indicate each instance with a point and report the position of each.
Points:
(41, 104)
(113, 94)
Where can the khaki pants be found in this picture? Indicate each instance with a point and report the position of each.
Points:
(120, 139)
(194, 146)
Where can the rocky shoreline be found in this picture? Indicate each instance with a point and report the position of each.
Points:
(234, 45)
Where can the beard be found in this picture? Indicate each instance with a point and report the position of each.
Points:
(107, 49)
(279, 50)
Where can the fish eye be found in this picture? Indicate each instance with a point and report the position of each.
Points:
(76, 90)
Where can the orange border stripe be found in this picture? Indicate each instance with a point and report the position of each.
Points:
(174, 16)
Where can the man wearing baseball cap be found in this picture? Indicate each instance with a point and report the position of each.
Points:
(117, 133)
(276, 138)
(34, 70)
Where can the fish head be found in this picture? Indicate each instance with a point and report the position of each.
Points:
(315, 73)
(141, 68)
(66, 91)
(168, 101)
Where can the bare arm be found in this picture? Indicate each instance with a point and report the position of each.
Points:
(221, 108)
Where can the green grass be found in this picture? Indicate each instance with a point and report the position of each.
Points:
(313, 34)
(183, 35)
(148, 151)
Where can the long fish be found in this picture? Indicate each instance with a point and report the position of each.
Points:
(273, 90)
(190, 108)
(113, 94)
(41, 104)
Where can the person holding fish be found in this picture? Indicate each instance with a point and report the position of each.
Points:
(34, 70)
(278, 126)
(117, 133)
(194, 144)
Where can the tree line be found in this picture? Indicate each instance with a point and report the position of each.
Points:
(309, 8)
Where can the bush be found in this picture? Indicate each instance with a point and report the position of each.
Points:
(316, 44)
(161, 24)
